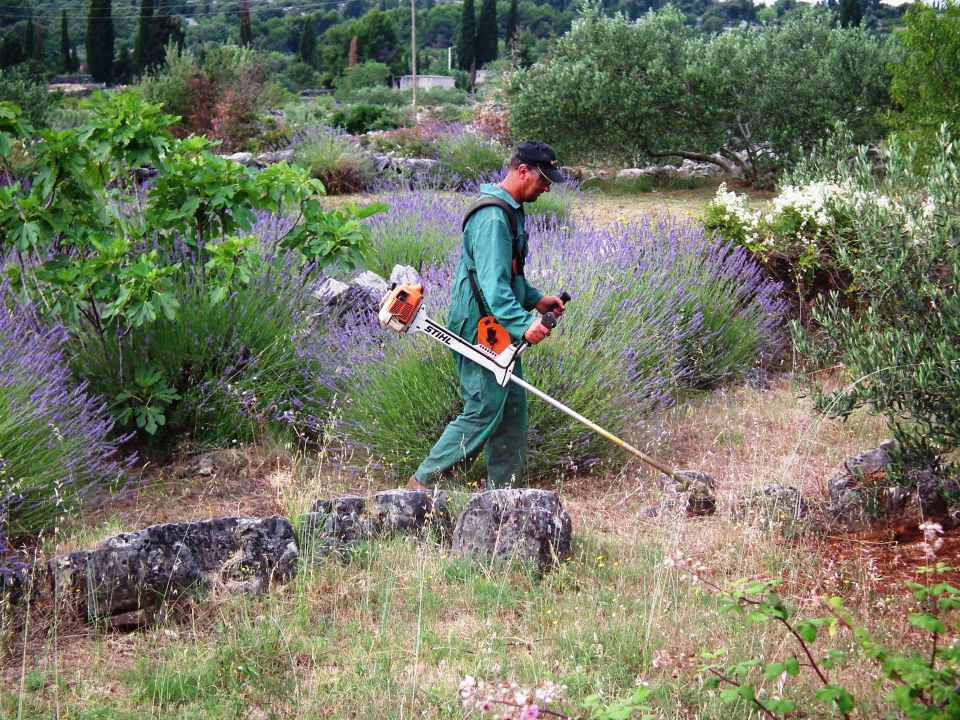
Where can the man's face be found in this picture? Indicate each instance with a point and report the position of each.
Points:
(534, 182)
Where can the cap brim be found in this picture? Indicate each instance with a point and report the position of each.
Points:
(552, 173)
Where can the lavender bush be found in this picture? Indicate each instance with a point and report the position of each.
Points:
(56, 449)
(658, 307)
(421, 230)
(234, 364)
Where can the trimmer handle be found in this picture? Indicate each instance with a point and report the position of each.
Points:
(549, 320)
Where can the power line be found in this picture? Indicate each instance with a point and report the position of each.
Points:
(135, 14)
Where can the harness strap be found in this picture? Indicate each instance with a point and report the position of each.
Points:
(517, 264)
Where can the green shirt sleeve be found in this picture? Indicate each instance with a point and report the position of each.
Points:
(492, 250)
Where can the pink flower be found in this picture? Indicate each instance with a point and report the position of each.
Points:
(529, 712)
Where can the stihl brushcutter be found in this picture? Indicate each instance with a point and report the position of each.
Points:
(401, 311)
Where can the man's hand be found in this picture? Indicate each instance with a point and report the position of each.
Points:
(550, 304)
(536, 332)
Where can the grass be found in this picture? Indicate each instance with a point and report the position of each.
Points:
(390, 630)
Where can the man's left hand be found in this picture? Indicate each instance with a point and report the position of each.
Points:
(550, 304)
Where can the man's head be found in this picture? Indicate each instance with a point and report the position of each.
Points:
(533, 168)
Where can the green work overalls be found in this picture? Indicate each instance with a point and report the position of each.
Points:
(494, 419)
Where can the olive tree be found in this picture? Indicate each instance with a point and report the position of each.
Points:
(750, 101)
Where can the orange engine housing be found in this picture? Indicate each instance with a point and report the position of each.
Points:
(404, 302)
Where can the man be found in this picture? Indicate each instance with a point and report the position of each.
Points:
(490, 281)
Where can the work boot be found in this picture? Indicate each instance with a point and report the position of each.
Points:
(414, 484)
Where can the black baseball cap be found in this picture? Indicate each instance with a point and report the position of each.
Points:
(541, 156)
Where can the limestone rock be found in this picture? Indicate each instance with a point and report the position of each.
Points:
(412, 512)
(759, 379)
(864, 499)
(694, 489)
(244, 158)
(518, 524)
(775, 505)
(403, 274)
(330, 291)
(143, 570)
(334, 526)
(362, 295)
(871, 461)
(271, 158)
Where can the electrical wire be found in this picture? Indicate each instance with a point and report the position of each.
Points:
(134, 14)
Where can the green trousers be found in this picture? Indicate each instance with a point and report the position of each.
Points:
(494, 420)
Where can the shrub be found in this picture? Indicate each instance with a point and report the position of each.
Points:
(900, 342)
(615, 89)
(219, 94)
(794, 239)
(56, 450)
(132, 260)
(367, 74)
(465, 156)
(332, 157)
(357, 119)
(30, 93)
(300, 76)
(922, 685)
(233, 365)
(657, 308)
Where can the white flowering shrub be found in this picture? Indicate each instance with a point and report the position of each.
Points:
(797, 228)
(900, 340)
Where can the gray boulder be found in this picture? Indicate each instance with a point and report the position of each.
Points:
(146, 569)
(330, 291)
(524, 525)
(362, 295)
(16, 583)
(271, 158)
(405, 169)
(412, 512)
(759, 379)
(871, 461)
(244, 158)
(403, 274)
(692, 490)
(335, 526)
(772, 506)
(864, 499)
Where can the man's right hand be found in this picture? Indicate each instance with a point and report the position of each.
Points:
(536, 332)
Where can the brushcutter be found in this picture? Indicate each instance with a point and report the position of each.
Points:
(401, 311)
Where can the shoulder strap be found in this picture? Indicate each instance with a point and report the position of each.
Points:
(490, 201)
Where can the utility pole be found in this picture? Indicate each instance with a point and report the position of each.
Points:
(413, 54)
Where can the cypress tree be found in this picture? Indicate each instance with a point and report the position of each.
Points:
(851, 13)
(29, 40)
(66, 62)
(511, 24)
(466, 44)
(167, 29)
(123, 65)
(245, 34)
(308, 43)
(487, 33)
(11, 49)
(100, 40)
(142, 49)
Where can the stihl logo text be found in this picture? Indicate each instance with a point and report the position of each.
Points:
(438, 334)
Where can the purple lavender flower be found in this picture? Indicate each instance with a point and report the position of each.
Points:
(56, 448)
